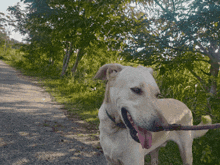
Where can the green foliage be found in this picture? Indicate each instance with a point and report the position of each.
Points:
(170, 151)
(2, 38)
(50, 24)
(206, 149)
(177, 35)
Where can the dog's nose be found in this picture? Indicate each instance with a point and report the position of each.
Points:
(157, 124)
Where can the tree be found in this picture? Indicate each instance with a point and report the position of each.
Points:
(178, 28)
(2, 20)
(75, 24)
(6, 23)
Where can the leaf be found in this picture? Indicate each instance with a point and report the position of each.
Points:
(162, 70)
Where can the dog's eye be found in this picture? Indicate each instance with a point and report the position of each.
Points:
(137, 90)
(158, 95)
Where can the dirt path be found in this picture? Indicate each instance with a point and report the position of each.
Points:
(35, 131)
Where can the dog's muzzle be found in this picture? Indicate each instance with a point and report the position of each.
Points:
(139, 134)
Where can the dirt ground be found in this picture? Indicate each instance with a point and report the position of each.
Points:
(36, 130)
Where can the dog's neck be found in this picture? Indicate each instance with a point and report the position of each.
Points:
(120, 125)
(113, 116)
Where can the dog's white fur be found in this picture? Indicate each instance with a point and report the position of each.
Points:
(117, 144)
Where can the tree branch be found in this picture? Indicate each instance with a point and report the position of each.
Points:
(179, 49)
(200, 79)
(219, 50)
(205, 72)
(201, 47)
(204, 50)
(161, 6)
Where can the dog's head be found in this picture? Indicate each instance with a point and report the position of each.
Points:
(133, 91)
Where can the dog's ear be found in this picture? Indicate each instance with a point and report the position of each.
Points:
(108, 71)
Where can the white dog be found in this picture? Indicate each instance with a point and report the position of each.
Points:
(131, 113)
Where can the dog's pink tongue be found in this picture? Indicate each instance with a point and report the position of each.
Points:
(145, 137)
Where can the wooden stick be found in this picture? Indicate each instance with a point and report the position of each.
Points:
(179, 127)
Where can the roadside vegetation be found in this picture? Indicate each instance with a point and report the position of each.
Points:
(65, 49)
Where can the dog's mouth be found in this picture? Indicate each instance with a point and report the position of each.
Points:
(139, 134)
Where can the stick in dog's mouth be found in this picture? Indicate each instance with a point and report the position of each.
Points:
(144, 136)
(139, 134)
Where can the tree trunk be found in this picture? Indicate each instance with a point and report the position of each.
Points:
(214, 70)
(66, 58)
(78, 58)
(5, 48)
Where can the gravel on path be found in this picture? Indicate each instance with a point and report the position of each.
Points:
(35, 131)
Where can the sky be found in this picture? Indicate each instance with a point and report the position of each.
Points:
(3, 7)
